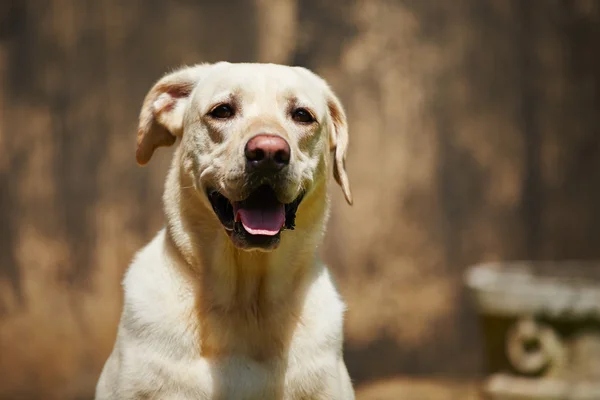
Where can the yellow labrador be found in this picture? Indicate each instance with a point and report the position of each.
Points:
(230, 300)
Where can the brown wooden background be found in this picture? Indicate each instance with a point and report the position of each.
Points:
(474, 136)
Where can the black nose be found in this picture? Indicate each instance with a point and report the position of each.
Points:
(267, 152)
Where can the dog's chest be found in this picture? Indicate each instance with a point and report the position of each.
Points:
(298, 375)
(273, 358)
(173, 349)
(279, 356)
(239, 372)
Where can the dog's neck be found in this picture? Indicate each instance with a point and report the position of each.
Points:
(239, 277)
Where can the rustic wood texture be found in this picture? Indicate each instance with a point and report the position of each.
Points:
(474, 137)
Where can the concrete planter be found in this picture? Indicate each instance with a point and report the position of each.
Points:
(541, 326)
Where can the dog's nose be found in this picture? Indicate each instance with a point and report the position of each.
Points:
(267, 152)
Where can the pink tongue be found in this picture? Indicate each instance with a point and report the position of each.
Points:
(262, 221)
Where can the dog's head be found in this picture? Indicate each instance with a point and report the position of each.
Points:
(256, 139)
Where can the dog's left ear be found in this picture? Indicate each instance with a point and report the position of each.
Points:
(338, 140)
(161, 117)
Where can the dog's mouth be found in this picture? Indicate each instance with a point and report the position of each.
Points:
(258, 220)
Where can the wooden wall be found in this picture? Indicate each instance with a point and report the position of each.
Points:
(474, 136)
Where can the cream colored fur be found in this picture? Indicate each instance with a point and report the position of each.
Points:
(203, 319)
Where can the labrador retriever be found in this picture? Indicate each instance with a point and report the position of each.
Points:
(230, 299)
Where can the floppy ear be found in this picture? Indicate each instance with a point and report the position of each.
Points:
(161, 117)
(338, 139)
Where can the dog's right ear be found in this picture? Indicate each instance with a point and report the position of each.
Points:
(161, 118)
(338, 140)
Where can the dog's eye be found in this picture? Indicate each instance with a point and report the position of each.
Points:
(302, 115)
(222, 111)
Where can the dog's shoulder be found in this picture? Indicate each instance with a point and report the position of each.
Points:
(158, 299)
(155, 333)
(316, 347)
(321, 328)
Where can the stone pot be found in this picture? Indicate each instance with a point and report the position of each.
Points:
(541, 327)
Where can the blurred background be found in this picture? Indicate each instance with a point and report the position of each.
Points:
(474, 128)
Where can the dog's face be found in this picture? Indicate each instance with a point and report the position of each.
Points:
(255, 138)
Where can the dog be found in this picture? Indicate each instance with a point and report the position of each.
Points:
(230, 300)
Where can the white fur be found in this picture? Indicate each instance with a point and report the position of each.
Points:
(202, 319)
